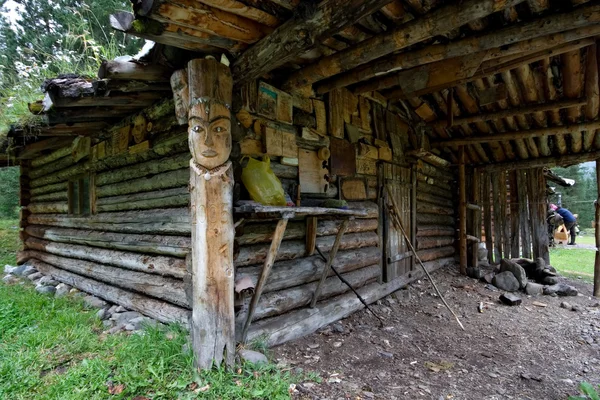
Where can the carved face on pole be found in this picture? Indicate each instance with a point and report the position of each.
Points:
(209, 132)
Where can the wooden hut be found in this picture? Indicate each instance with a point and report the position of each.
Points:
(443, 113)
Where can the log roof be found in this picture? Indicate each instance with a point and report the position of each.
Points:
(510, 80)
(515, 81)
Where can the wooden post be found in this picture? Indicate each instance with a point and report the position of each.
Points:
(487, 218)
(211, 187)
(462, 211)
(476, 221)
(597, 231)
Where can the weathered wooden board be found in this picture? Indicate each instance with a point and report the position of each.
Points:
(311, 171)
(321, 116)
(343, 157)
(354, 189)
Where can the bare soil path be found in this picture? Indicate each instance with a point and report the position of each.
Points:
(522, 352)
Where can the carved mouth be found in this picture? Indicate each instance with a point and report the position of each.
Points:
(209, 153)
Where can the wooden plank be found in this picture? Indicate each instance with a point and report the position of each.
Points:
(321, 116)
(462, 210)
(311, 172)
(487, 218)
(354, 189)
(343, 157)
(336, 114)
(311, 235)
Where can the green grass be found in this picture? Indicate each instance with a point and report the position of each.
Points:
(574, 263)
(9, 241)
(53, 348)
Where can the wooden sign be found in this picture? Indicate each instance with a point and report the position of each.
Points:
(280, 144)
(366, 166)
(289, 148)
(251, 147)
(321, 116)
(354, 189)
(311, 172)
(274, 104)
(303, 103)
(120, 140)
(343, 157)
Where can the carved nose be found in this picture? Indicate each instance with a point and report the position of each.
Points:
(208, 139)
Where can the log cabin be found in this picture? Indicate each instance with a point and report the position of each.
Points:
(441, 113)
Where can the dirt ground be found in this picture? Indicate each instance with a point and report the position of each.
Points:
(521, 352)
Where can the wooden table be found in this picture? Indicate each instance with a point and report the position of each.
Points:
(284, 214)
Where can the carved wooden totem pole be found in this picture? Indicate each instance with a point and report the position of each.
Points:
(211, 185)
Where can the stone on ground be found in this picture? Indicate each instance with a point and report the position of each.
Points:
(62, 289)
(102, 314)
(35, 276)
(534, 289)
(8, 269)
(565, 305)
(24, 270)
(120, 309)
(510, 299)
(123, 318)
(252, 356)
(45, 289)
(94, 302)
(48, 281)
(517, 271)
(475, 273)
(10, 279)
(550, 280)
(506, 281)
(560, 289)
(488, 278)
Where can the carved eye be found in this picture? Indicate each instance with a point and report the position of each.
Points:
(196, 128)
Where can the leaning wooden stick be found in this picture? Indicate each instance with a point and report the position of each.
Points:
(398, 222)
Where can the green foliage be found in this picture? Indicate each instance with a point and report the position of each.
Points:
(51, 348)
(50, 38)
(9, 241)
(588, 390)
(579, 198)
(9, 192)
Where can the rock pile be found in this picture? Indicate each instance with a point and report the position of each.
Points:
(520, 274)
(114, 318)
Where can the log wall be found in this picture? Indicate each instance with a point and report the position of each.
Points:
(132, 250)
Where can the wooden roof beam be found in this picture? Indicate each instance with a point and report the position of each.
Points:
(529, 109)
(299, 34)
(549, 162)
(438, 22)
(531, 36)
(532, 133)
(445, 74)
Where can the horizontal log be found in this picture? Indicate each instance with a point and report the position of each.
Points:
(165, 180)
(434, 190)
(424, 207)
(429, 198)
(172, 144)
(511, 112)
(144, 169)
(53, 188)
(171, 221)
(293, 325)
(437, 253)
(435, 172)
(284, 171)
(62, 195)
(160, 265)
(424, 243)
(280, 302)
(433, 219)
(526, 134)
(164, 288)
(176, 246)
(159, 310)
(435, 230)
(53, 166)
(263, 232)
(287, 274)
(255, 254)
(159, 194)
(162, 202)
(48, 208)
(55, 155)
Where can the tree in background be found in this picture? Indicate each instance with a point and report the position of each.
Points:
(9, 192)
(51, 37)
(579, 198)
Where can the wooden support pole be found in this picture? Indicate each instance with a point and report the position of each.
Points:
(332, 254)
(487, 218)
(266, 270)
(211, 187)
(311, 235)
(597, 234)
(476, 215)
(462, 211)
